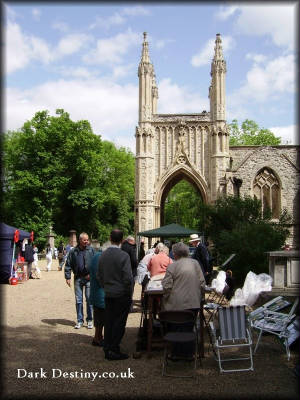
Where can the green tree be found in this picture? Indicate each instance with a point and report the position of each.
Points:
(250, 134)
(185, 207)
(237, 225)
(58, 172)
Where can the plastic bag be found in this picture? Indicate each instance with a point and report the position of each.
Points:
(219, 282)
(253, 286)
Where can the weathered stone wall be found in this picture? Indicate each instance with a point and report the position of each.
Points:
(284, 162)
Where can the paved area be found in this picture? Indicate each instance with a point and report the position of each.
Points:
(43, 356)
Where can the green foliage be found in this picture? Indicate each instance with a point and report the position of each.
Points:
(236, 225)
(250, 134)
(58, 172)
(184, 206)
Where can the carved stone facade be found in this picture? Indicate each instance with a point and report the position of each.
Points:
(195, 147)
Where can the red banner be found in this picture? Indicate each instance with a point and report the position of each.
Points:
(16, 235)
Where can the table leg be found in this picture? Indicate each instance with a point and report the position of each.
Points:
(201, 316)
(150, 324)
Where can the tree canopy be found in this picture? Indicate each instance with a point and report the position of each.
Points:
(250, 134)
(237, 225)
(58, 172)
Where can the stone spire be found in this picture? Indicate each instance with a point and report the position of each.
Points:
(145, 52)
(147, 85)
(217, 87)
(218, 48)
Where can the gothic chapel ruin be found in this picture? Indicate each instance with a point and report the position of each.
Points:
(195, 147)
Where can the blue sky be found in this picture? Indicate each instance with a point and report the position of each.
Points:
(84, 57)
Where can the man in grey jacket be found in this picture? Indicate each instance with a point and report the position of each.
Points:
(115, 276)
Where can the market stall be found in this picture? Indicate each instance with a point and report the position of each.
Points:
(10, 240)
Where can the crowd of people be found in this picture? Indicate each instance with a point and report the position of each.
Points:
(106, 279)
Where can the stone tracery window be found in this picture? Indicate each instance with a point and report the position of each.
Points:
(266, 188)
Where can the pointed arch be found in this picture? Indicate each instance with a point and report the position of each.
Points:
(171, 178)
(267, 188)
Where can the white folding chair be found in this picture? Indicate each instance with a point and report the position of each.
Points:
(232, 333)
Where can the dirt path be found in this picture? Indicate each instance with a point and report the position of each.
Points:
(39, 337)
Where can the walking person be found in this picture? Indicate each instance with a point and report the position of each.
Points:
(97, 301)
(29, 259)
(61, 256)
(36, 261)
(49, 256)
(78, 261)
(115, 277)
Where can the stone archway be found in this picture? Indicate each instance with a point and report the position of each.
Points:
(169, 180)
(181, 175)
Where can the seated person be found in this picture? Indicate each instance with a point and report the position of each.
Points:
(183, 286)
(160, 261)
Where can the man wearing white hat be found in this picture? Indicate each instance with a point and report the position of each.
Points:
(201, 255)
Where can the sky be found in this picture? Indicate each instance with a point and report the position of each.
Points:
(83, 58)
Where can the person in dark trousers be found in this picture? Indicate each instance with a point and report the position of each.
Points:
(129, 247)
(97, 300)
(78, 261)
(115, 277)
(29, 258)
(142, 250)
(201, 255)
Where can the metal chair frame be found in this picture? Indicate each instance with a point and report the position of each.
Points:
(179, 317)
(232, 332)
(276, 323)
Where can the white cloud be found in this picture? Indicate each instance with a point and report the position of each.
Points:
(278, 21)
(112, 109)
(205, 56)
(60, 26)
(36, 13)
(269, 80)
(257, 58)
(112, 50)
(176, 99)
(107, 22)
(77, 72)
(123, 70)
(71, 43)
(20, 48)
(288, 134)
(161, 43)
(135, 11)
(226, 11)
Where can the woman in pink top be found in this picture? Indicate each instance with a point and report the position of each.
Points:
(159, 262)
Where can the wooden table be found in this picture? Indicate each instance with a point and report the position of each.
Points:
(158, 294)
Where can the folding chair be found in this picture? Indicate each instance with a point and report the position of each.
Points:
(276, 304)
(232, 332)
(172, 335)
(276, 323)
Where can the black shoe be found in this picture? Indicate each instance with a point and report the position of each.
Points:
(31, 277)
(100, 344)
(112, 356)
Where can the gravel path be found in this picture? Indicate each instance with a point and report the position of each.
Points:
(38, 336)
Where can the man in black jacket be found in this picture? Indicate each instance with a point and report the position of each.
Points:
(201, 254)
(130, 247)
(115, 277)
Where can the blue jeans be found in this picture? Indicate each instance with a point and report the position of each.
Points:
(79, 284)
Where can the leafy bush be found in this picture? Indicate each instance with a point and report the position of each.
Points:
(236, 225)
